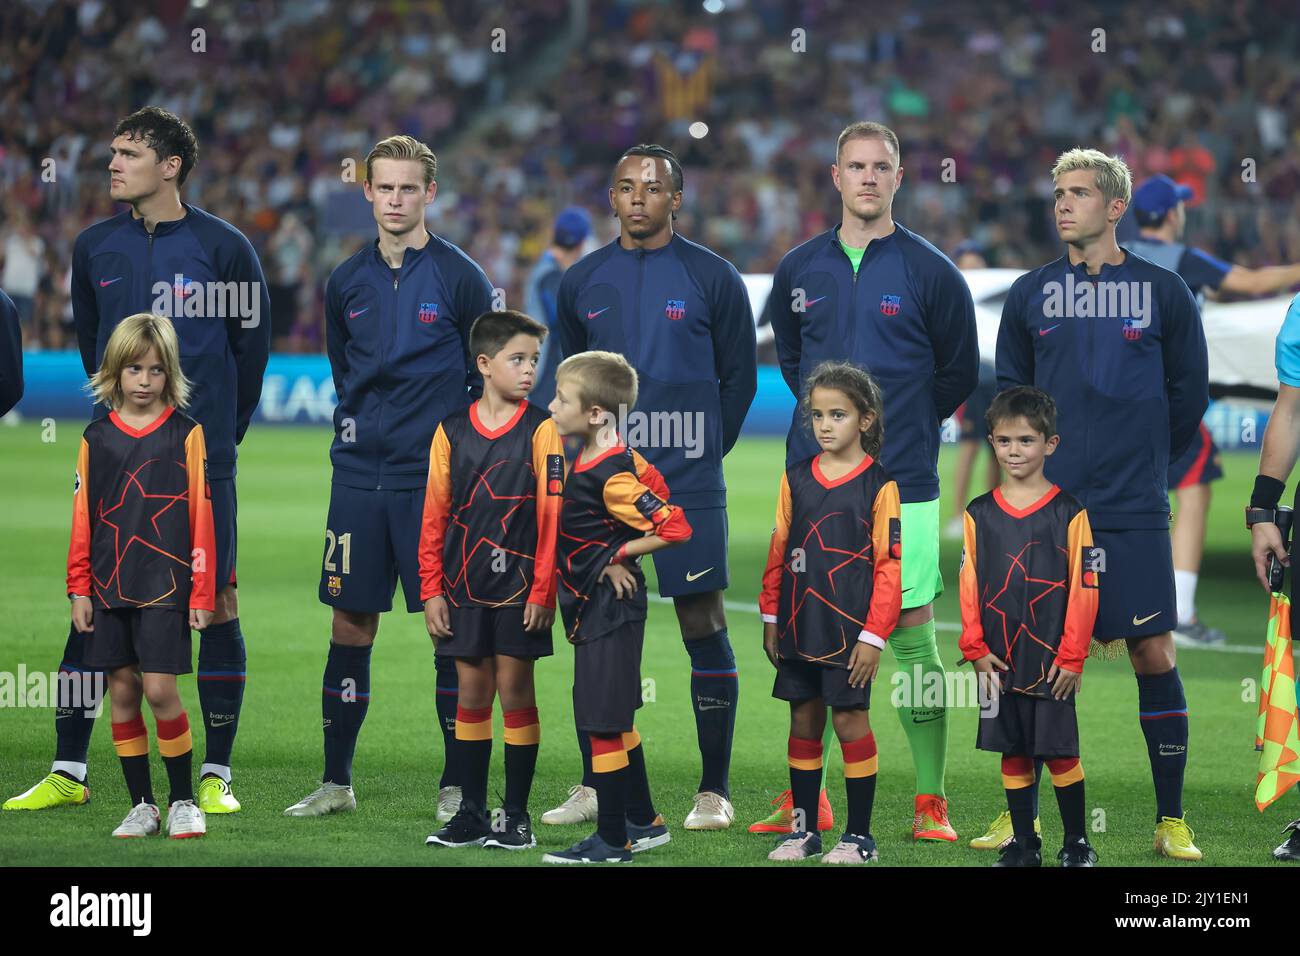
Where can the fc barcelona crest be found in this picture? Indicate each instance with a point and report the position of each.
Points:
(428, 312)
(334, 585)
(675, 309)
(1132, 331)
(890, 304)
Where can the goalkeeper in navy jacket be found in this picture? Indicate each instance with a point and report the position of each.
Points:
(680, 315)
(1117, 342)
(397, 321)
(167, 257)
(876, 294)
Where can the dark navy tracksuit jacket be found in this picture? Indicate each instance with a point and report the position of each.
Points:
(11, 355)
(1129, 395)
(399, 353)
(681, 316)
(906, 316)
(117, 268)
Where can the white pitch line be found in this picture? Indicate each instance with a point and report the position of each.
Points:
(948, 626)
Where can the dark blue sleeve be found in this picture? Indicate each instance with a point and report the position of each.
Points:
(1014, 357)
(778, 311)
(85, 313)
(336, 335)
(572, 335)
(547, 290)
(735, 349)
(1187, 365)
(11, 355)
(950, 314)
(1201, 270)
(250, 339)
(473, 297)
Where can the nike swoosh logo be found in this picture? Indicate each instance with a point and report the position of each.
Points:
(104, 282)
(592, 315)
(353, 315)
(1045, 331)
(1139, 622)
(222, 723)
(694, 575)
(815, 301)
(927, 720)
(713, 707)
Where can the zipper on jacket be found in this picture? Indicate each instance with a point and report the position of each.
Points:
(379, 420)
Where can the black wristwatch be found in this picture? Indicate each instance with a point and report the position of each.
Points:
(1256, 516)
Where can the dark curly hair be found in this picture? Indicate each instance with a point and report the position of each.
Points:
(862, 390)
(165, 133)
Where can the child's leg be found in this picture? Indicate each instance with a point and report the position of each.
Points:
(609, 767)
(804, 750)
(130, 738)
(514, 680)
(640, 806)
(858, 744)
(174, 742)
(1067, 778)
(477, 679)
(1018, 780)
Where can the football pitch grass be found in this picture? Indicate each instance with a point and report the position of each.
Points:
(283, 491)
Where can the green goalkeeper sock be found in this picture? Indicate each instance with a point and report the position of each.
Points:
(925, 722)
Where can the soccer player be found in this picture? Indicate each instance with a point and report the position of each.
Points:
(615, 510)
(1117, 342)
(397, 319)
(163, 252)
(831, 598)
(876, 293)
(572, 226)
(1028, 603)
(1159, 206)
(1277, 458)
(11, 355)
(487, 570)
(681, 316)
(139, 571)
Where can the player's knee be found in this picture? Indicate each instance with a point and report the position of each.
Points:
(160, 690)
(699, 615)
(850, 723)
(352, 629)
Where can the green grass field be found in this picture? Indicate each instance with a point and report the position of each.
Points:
(283, 486)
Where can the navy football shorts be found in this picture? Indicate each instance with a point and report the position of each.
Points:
(154, 640)
(699, 565)
(798, 681)
(607, 680)
(225, 510)
(372, 538)
(1136, 595)
(1199, 465)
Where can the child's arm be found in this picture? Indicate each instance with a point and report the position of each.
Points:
(203, 538)
(79, 547)
(770, 598)
(548, 465)
(886, 586)
(971, 642)
(639, 501)
(433, 530)
(1081, 605)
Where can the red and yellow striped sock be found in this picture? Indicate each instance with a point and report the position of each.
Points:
(805, 758)
(1067, 780)
(860, 781)
(474, 746)
(1019, 782)
(523, 737)
(609, 767)
(131, 741)
(177, 749)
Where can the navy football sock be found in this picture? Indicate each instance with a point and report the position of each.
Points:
(73, 720)
(447, 694)
(714, 691)
(584, 745)
(345, 698)
(1162, 710)
(221, 677)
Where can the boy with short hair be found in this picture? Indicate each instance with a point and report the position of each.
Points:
(1028, 603)
(615, 510)
(487, 570)
(141, 561)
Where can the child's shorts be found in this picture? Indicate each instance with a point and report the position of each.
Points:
(155, 640)
(803, 680)
(607, 680)
(1042, 727)
(487, 631)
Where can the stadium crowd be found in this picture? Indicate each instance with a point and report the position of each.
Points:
(282, 95)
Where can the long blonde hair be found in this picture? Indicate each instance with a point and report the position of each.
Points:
(130, 340)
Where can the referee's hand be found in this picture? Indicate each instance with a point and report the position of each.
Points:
(1265, 540)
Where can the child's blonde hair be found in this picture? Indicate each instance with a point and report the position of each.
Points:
(603, 378)
(131, 340)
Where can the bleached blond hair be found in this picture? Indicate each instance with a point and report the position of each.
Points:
(1112, 173)
(130, 341)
